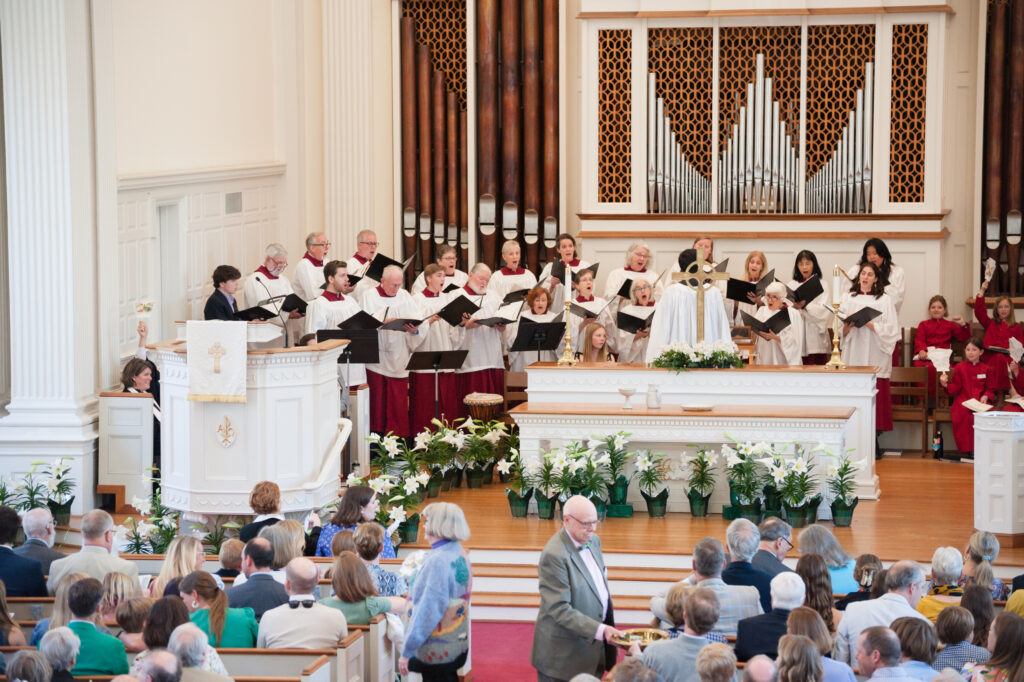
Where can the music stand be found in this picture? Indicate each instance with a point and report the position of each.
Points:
(436, 360)
(362, 347)
(539, 335)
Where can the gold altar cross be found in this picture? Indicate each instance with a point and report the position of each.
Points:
(699, 275)
(216, 351)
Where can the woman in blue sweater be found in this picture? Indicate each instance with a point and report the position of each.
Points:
(437, 634)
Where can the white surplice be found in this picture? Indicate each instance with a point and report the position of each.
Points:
(395, 347)
(896, 288)
(485, 344)
(675, 319)
(558, 291)
(518, 360)
(504, 282)
(602, 311)
(322, 313)
(619, 275)
(458, 278)
(254, 291)
(871, 347)
(817, 320)
(309, 277)
(439, 336)
(628, 347)
(788, 350)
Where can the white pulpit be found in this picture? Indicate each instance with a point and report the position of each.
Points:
(998, 473)
(288, 431)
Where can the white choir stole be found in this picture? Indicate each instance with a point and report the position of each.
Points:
(216, 361)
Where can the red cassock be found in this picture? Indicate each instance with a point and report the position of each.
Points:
(1018, 385)
(997, 334)
(940, 334)
(968, 381)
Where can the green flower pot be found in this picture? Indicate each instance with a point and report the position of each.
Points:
(698, 503)
(602, 507)
(771, 499)
(617, 491)
(409, 529)
(842, 513)
(796, 515)
(434, 485)
(546, 506)
(518, 503)
(489, 472)
(457, 478)
(751, 512)
(61, 512)
(657, 505)
(734, 499)
(475, 478)
(447, 480)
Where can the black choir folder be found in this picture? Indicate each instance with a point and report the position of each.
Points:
(776, 323)
(862, 316)
(515, 296)
(452, 313)
(255, 313)
(450, 288)
(502, 318)
(806, 292)
(737, 289)
(293, 302)
(581, 310)
(631, 324)
(360, 320)
(380, 261)
(558, 270)
(353, 280)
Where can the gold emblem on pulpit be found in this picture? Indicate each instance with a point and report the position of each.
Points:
(226, 433)
(217, 351)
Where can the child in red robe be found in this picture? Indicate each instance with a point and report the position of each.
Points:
(971, 379)
(998, 331)
(937, 332)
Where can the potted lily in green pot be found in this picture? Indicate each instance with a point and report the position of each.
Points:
(583, 471)
(614, 446)
(797, 489)
(546, 486)
(59, 487)
(702, 479)
(840, 477)
(652, 470)
(520, 475)
(744, 482)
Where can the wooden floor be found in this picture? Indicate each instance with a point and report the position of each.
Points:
(924, 504)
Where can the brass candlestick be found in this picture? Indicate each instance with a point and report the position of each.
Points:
(836, 361)
(568, 359)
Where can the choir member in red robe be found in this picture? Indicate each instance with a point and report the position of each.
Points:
(440, 336)
(484, 368)
(998, 330)
(937, 332)
(971, 379)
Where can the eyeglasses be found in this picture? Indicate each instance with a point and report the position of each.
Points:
(324, 244)
(788, 542)
(585, 524)
(306, 604)
(370, 243)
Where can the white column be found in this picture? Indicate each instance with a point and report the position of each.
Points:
(51, 235)
(998, 472)
(348, 123)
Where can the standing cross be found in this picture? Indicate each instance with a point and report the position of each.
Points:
(216, 351)
(699, 275)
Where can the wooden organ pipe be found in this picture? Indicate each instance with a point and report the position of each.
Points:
(463, 251)
(996, 76)
(487, 128)
(423, 74)
(452, 130)
(531, 131)
(440, 174)
(1014, 136)
(511, 150)
(409, 187)
(549, 86)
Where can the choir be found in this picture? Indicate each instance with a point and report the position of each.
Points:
(790, 327)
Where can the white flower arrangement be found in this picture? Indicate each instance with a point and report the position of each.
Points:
(411, 564)
(717, 354)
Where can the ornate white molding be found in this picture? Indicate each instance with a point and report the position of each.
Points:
(134, 181)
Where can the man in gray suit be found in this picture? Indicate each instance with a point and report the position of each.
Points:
(575, 618)
(776, 540)
(95, 559)
(260, 591)
(41, 533)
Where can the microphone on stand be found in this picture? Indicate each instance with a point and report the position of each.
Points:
(280, 309)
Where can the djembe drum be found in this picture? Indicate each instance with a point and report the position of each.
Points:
(484, 407)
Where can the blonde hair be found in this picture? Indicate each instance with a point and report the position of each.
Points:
(231, 554)
(61, 610)
(1011, 320)
(588, 343)
(179, 562)
(287, 539)
(799, 659)
(716, 662)
(751, 256)
(983, 548)
(117, 588)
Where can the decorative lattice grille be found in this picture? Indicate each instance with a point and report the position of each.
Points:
(681, 60)
(738, 49)
(615, 49)
(441, 25)
(836, 56)
(906, 137)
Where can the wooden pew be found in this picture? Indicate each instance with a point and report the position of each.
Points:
(379, 652)
(30, 608)
(345, 664)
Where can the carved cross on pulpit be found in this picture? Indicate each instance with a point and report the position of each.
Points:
(699, 275)
(216, 351)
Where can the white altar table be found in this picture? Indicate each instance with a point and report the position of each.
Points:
(809, 389)
(673, 431)
(288, 431)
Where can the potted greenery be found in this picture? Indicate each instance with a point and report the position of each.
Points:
(507, 448)
(478, 452)
(714, 355)
(840, 478)
(215, 532)
(614, 445)
(519, 475)
(545, 485)
(744, 480)
(797, 489)
(436, 456)
(702, 479)
(59, 487)
(31, 492)
(582, 471)
(651, 472)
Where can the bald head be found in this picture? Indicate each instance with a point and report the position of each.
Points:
(96, 525)
(760, 668)
(579, 516)
(301, 575)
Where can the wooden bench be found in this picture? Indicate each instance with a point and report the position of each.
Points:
(30, 608)
(346, 663)
(378, 652)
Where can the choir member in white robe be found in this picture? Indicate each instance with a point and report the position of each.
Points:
(269, 281)
(309, 273)
(706, 243)
(817, 318)
(484, 368)
(330, 309)
(753, 270)
(638, 257)
(786, 347)
(568, 255)
(389, 379)
(875, 251)
(675, 317)
(632, 347)
(440, 336)
(872, 344)
(511, 277)
(359, 263)
(446, 257)
(537, 309)
(601, 311)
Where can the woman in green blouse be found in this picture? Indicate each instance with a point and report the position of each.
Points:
(208, 608)
(355, 594)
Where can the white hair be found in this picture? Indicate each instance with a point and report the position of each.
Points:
(60, 646)
(390, 270)
(311, 239)
(189, 643)
(363, 234)
(634, 247)
(947, 565)
(777, 288)
(274, 250)
(35, 522)
(742, 537)
(480, 267)
(445, 520)
(508, 246)
(788, 591)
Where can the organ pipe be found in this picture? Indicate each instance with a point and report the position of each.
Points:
(531, 130)
(409, 186)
